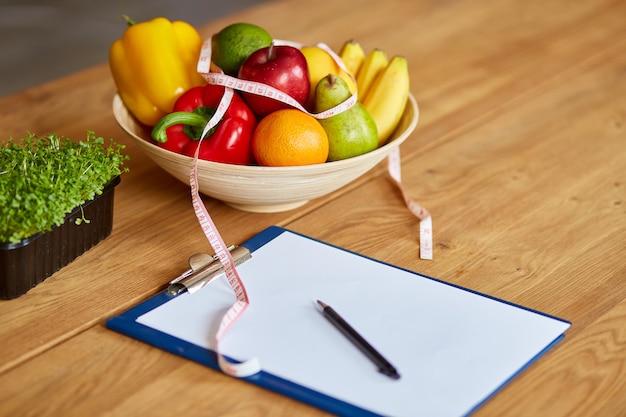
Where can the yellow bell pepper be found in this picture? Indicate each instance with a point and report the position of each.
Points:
(152, 64)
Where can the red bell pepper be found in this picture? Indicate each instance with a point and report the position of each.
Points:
(228, 142)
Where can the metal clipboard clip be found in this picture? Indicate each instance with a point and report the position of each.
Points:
(204, 268)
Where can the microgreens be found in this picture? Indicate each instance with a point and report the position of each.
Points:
(42, 179)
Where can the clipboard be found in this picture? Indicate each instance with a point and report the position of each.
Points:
(454, 347)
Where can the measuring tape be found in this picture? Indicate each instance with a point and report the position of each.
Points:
(426, 222)
(215, 75)
(252, 366)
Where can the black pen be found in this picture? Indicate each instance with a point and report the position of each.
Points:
(383, 364)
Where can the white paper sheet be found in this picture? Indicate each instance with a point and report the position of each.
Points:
(452, 347)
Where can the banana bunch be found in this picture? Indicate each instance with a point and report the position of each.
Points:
(382, 84)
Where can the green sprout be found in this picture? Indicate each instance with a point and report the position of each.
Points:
(42, 179)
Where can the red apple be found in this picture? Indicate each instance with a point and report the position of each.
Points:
(280, 66)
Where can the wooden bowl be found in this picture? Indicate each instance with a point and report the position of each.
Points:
(264, 189)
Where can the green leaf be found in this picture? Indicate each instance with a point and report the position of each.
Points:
(42, 179)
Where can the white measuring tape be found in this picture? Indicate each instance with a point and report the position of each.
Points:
(214, 75)
(217, 77)
(426, 223)
(252, 366)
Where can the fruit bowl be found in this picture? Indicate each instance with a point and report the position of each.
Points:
(264, 189)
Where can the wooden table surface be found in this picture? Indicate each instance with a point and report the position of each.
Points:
(520, 156)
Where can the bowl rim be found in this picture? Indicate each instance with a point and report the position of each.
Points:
(184, 159)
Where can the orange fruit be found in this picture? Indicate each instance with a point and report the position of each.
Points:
(289, 137)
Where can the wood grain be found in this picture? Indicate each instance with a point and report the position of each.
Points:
(520, 155)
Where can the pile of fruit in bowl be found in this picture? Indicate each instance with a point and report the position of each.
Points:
(301, 120)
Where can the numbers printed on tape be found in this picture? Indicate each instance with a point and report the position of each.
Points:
(251, 366)
(271, 92)
(205, 67)
(219, 78)
(426, 227)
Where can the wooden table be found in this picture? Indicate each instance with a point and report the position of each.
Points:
(520, 155)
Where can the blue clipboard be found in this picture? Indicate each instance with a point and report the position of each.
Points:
(350, 404)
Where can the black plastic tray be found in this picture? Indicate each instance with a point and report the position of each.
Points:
(29, 262)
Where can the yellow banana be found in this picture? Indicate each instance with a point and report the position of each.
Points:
(387, 97)
(352, 55)
(375, 61)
